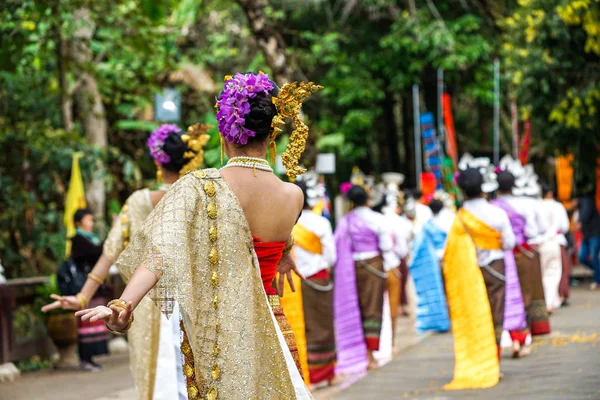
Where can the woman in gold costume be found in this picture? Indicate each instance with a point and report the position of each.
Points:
(213, 245)
(152, 338)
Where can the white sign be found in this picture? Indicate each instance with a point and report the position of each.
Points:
(326, 163)
(2, 278)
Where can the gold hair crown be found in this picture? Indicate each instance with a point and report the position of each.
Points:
(288, 103)
(195, 138)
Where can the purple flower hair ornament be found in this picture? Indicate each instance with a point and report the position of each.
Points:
(345, 187)
(456, 176)
(233, 104)
(156, 141)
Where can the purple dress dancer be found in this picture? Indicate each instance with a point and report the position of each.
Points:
(514, 308)
(351, 235)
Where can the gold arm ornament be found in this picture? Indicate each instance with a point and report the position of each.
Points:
(95, 279)
(289, 245)
(83, 300)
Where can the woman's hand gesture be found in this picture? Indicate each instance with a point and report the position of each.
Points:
(116, 318)
(285, 267)
(64, 302)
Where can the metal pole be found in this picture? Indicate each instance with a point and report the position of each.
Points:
(496, 111)
(417, 129)
(514, 116)
(440, 111)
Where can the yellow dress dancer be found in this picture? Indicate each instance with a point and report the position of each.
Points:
(476, 364)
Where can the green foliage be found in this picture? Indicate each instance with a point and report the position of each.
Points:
(551, 50)
(34, 363)
(366, 54)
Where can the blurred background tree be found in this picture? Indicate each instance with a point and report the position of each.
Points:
(81, 76)
(552, 51)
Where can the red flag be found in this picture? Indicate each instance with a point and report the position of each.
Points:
(525, 142)
(514, 117)
(449, 125)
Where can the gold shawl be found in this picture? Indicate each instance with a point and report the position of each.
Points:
(307, 239)
(476, 356)
(143, 336)
(197, 241)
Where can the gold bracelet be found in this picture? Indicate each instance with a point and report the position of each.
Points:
(121, 304)
(95, 279)
(289, 245)
(83, 300)
(122, 331)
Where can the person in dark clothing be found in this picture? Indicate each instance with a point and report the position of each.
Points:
(86, 248)
(590, 229)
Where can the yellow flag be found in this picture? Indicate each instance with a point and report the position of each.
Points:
(75, 199)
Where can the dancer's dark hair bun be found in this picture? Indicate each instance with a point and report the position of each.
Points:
(470, 181)
(436, 206)
(260, 117)
(358, 195)
(175, 148)
(506, 181)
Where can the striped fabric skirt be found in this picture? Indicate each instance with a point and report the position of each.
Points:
(286, 329)
(370, 284)
(530, 278)
(317, 300)
(93, 336)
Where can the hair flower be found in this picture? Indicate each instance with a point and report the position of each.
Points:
(456, 176)
(233, 104)
(156, 141)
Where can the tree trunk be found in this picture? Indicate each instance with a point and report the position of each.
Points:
(271, 43)
(269, 39)
(409, 136)
(392, 159)
(61, 52)
(89, 104)
(66, 98)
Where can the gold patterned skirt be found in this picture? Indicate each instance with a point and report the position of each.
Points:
(188, 356)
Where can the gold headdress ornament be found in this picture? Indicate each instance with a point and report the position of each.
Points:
(196, 138)
(288, 103)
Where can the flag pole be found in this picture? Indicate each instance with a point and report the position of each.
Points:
(440, 111)
(417, 129)
(496, 111)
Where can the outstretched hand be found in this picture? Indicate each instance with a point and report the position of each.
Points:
(285, 267)
(115, 317)
(64, 302)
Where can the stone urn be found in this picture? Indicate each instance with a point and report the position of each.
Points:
(62, 329)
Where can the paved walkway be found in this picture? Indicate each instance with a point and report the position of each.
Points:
(564, 365)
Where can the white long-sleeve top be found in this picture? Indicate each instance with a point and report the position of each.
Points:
(444, 219)
(310, 263)
(402, 231)
(556, 219)
(382, 228)
(534, 221)
(497, 219)
(422, 215)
